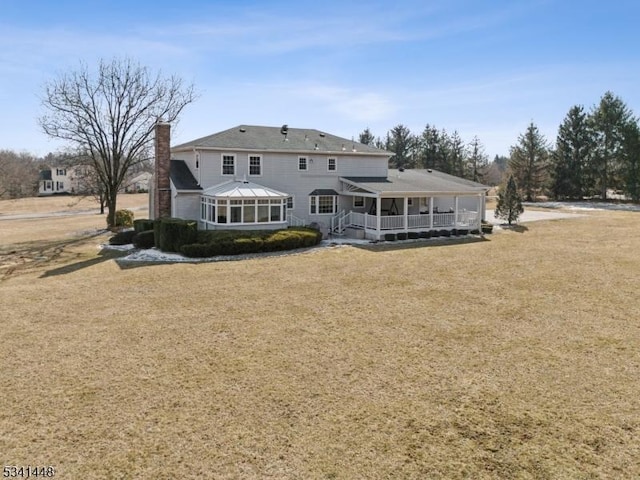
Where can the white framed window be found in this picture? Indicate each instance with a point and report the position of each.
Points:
(410, 202)
(332, 164)
(323, 204)
(290, 203)
(358, 202)
(255, 165)
(303, 164)
(228, 164)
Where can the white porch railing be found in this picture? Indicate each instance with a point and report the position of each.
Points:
(397, 222)
(444, 220)
(294, 221)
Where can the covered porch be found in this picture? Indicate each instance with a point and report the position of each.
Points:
(397, 205)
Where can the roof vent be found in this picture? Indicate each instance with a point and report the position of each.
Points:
(316, 147)
(401, 169)
(242, 129)
(429, 170)
(322, 134)
(284, 129)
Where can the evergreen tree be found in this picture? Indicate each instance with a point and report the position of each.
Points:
(528, 161)
(366, 137)
(401, 143)
(477, 161)
(570, 160)
(610, 121)
(509, 206)
(457, 155)
(428, 146)
(631, 159)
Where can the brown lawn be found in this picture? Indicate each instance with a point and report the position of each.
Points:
(514, 357)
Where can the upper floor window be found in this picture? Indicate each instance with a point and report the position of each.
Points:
(255, 165)
(228, 165)
(332, 164)
(290, 203)
(61, 171)
(302, 163)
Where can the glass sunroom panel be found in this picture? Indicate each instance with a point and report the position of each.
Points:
(276, 215)
(222, 213)
(263, 213)
(249, 213)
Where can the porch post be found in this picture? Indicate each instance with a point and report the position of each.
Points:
(430, 213)
(455, 209)
(378, 208)
(481, 210)
(406, 214)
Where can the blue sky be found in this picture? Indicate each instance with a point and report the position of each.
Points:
(484, 68)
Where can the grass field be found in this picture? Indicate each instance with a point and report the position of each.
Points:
(513, 357)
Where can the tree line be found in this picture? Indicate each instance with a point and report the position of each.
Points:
(439, 150)
(596, 152)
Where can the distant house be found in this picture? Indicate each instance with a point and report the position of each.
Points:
(138, 183)
(76, 180)
(254, 177)
(53, 181)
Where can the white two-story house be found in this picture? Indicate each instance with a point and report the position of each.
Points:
(254, 177)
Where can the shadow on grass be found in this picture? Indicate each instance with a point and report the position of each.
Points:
(103, 256)
(514, 228)
(434, 242)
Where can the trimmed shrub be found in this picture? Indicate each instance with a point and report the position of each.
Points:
(424, 235)
(413, 235)
(122, 238)
(142, 225)
(454, 232)
(445, 233)
(435, 233)
(124, 218)
(227, 242)
(402, 236)
(487, 228)
(144, 239)
(475, 231)
(390, 237)
(173, 233)
(463, 231)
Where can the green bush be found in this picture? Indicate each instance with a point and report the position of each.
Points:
(402, 236)
(122, 238)
(390, 237)
(463, 231)
(142, 225)
(454, 232)
(227, 242)
(435, 233)
(124, 218)
(413, 235)
(424, 235)
(445, 233)
(144, 239)
(475, 231)
(172, 233)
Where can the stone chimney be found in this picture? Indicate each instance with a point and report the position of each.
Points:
(162, 186)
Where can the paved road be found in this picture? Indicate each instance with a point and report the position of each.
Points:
(67, 213)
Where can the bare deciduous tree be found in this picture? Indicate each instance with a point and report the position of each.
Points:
(18, 174)
(110, 114)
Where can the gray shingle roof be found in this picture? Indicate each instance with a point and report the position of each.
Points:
(252, 137)
(182, 177)
(417, 181)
